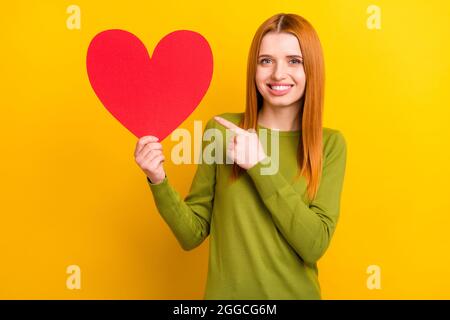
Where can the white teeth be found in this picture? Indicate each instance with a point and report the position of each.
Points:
(280, 88)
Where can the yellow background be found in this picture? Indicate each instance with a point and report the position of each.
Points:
(71, 192)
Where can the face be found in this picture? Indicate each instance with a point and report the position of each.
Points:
(280, 77)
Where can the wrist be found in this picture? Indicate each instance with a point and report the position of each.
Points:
(260, 160)
(155, 181)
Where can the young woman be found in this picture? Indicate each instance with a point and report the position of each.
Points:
(267, 231)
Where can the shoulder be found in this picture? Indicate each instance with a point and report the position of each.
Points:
(334, 144)
(333, 139)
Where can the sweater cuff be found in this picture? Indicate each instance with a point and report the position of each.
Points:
(156, 184)
(266, 184)
(161, 191)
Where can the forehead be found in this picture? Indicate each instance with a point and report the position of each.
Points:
(279, 43)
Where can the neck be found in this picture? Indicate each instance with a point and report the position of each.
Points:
(286, 118)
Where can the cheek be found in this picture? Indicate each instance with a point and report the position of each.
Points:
(300, 88)
(263, 73)
(259, 75)
(301, 82)
(260, 80)
(300, 77)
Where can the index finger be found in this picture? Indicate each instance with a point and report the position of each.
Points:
(143, 141)
(229, 125)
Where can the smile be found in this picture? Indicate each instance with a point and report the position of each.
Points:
(279, 90)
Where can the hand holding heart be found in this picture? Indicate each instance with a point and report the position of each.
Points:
(150, 158)
(245, 149)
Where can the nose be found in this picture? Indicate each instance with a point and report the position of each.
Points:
(279, 71)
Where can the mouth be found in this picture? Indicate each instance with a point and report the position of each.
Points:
(279, 89)
(279, 86)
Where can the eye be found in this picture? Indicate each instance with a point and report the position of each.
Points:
(298, 61)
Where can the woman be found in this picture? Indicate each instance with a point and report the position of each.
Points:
(267, 231)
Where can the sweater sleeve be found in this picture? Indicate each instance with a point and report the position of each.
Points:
(189, 219)
(307, 228)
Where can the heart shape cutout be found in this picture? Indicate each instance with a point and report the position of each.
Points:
(149, 96)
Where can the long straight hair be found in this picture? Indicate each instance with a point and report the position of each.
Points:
(309, 154)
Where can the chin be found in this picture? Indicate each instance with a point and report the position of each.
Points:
(281, 104)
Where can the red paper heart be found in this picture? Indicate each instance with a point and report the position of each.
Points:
(149, 96)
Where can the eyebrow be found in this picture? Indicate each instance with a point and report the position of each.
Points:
(291, 56)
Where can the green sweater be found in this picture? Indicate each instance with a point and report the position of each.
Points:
(265, 236)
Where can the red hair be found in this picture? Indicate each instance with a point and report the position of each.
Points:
(309, 155)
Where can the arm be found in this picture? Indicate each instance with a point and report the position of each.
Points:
(189, 219)
(308, 229)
